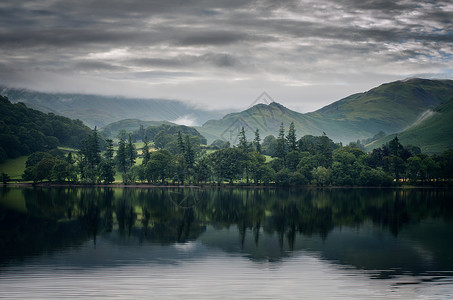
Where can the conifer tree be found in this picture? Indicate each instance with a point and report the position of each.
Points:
(181, 146)
(189, 153)
(109, 149)
(107, 167)
(243, 144)
(291, 138)
(131, 152)
(121, 156)
(257, 141)
(280, 150)
(145, 151)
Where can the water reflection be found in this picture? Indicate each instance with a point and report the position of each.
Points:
(391, 231)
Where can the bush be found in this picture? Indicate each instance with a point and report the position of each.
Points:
(282, 177)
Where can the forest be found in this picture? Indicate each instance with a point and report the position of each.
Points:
(24, 130)
(182, 159)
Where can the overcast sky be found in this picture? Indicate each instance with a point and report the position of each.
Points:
(223, 54)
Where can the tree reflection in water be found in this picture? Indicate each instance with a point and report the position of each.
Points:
(60, 217)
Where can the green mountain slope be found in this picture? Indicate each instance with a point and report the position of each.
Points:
(390, 108)
(99, 111)
(433, 134)
(24, 130)
(266, 118)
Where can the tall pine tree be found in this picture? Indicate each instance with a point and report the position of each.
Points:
(243, 143)
(189, 153)
(181, 146)
(131, 152)
(121, 155)
(291, 138)
(145, 151)
(257, 141)
(280, 149)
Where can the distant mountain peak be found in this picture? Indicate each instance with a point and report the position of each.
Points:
(263, 98)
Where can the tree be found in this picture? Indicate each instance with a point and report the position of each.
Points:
(181, 146)
(180, 168)
(160, 165)
(90, 154)
(282, 177)
(161, 139)
(5, 178)
(226, 164)
(91, 149)
(189, 153)
(43, 170)
(145, 151)
(280, 150)
(202, 170)
(121, 155)
(291, 138)
(269, 145)
(306, 164)
(107, 165)
(108, 154)
(35, 158)
(256, 141)
(321, 175)
(131, 152)
(243, 143)
(107, 171)
(395, 147)
(60, 171)
(256, 163)
(396, 166)
(292, 160)
(324, 152)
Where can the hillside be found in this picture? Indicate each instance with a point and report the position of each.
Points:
(390, 108)
(433, 134)
(129, 125)
(100, 111)
(24, 130)
(266, 118)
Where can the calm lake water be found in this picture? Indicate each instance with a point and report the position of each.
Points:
(226, 243)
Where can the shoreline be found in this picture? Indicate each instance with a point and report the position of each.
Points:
(204, 186)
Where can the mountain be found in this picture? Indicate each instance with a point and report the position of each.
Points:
(390, 107)
(433, 133)
(266, 118)
(99, 111)
(24, 130)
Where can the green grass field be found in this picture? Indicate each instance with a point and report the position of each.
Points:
(14, 167)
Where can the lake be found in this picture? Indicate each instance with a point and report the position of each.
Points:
(193, 243)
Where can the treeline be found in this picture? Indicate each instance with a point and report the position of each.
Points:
(24, 131)
(163, 134)
(313, 160)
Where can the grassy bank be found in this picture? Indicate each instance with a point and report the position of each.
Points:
(14, 167)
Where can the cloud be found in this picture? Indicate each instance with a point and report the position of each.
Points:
(187, 120)
(183, 49)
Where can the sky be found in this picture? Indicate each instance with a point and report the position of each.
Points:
(223, 54)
